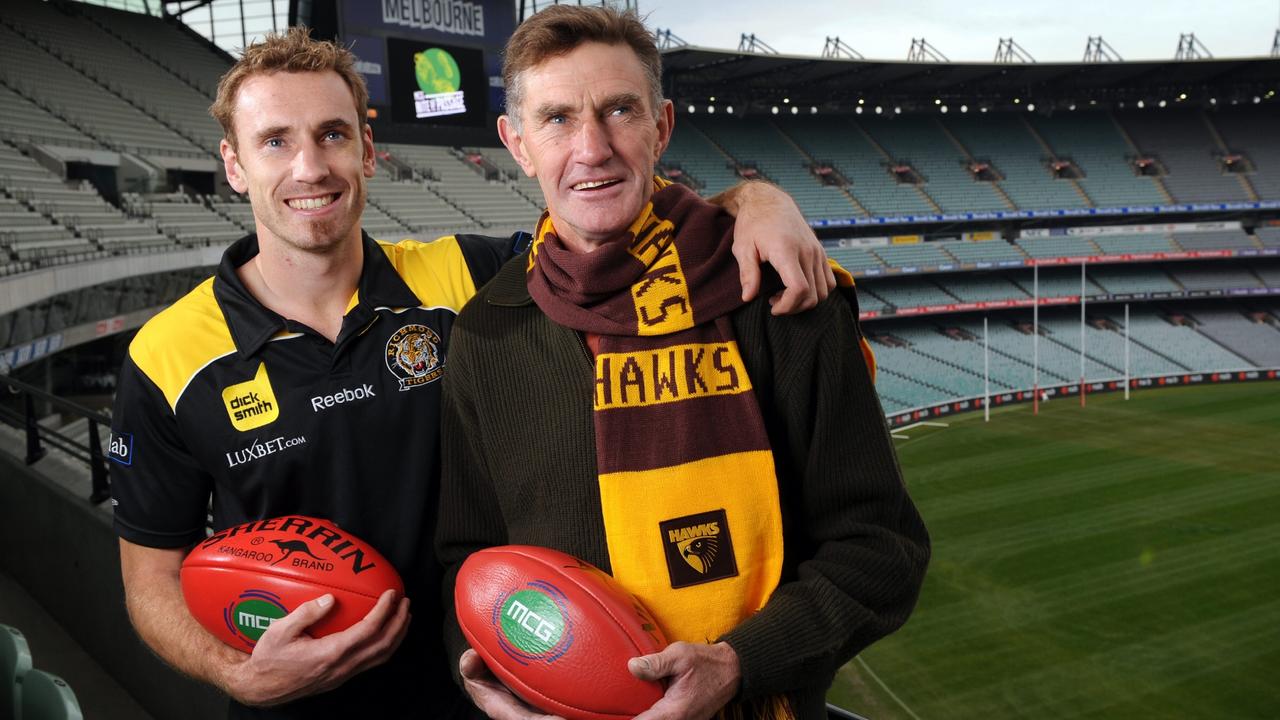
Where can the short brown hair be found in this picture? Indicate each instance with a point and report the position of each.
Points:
(293, 50)
(561, 28)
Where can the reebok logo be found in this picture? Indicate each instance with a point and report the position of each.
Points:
(698, 548)
(251, 404)
(345, 395)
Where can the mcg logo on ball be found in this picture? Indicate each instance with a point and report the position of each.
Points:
(532, 623)
(249, 615)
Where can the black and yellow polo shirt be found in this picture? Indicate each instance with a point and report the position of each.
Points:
(221, 398)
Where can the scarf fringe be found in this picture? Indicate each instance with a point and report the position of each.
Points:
(776, 707)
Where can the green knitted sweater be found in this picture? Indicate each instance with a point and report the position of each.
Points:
(519, 467)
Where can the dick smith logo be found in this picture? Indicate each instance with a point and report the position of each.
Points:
(251, 404)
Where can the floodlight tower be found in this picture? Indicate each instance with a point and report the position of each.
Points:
(668, 40)
(1098, 50)
(835, 48)
(922, 51)
(1189, 48)
(1009, 51)
(752, 44)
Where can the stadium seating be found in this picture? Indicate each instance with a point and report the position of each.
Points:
(409, 205)
(1057, 247)
(1093, 142)
(1133, 244)
(698, 157)
(1058, 282)
(920, 254)
(1182, 344)
(1218, 276)
(527, 187)
(1269, 274)
(922, 142)
(1268, 237)
(46, 696)
(189, 58)
(27, 693)
(1005, 141)
(842, 143)
(15, 661)
(1181, 140)
(979, 287)
(493, 204)
(184, 219)
(1119, 279)
(90, 107)
(854, 259)
(907, 291)
(1216, 240)
(1250, 131)
(986, 251)
(1256, 342)
(23, 120)
(780, 159)
(931, 360)
(97, 55)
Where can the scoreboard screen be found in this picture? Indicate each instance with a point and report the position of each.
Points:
(429, 63)
(437, 84)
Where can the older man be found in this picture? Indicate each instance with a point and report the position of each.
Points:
(614, 398)
(307, 310)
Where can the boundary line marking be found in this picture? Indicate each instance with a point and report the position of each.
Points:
(922, 423)
(880, 682)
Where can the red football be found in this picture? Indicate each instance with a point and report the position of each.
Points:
(557, 631)
(241, 579)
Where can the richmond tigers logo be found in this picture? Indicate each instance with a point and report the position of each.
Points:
(413, 356)
(698, 548)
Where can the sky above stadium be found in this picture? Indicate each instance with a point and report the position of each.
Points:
(969, 30)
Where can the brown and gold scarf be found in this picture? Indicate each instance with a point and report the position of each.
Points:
(687, 484)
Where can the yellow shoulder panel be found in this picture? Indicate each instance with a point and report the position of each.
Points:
(181, 340)
(435, 271)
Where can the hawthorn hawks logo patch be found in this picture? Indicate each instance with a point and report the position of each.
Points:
(698, 548)
(413, 356)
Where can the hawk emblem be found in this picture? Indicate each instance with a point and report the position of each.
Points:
(698, 548)
(700, 553)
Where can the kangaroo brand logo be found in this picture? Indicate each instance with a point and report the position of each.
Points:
(249, 615)
(328, 542)
(289, 547)
(698, 548)
(532, 623)
(413, 356)
(120, 448)
(251, 404)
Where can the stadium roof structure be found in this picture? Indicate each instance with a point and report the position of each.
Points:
(755, 82)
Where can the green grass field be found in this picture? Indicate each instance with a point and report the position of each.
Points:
(1120, 561)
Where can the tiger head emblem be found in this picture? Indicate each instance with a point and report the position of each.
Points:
(413, 356)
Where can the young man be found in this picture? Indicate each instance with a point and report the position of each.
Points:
(614, 398)
(303, 379)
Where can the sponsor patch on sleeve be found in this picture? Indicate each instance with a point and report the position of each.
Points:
(120, 449)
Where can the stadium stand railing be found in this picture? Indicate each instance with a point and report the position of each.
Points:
(80, 440)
